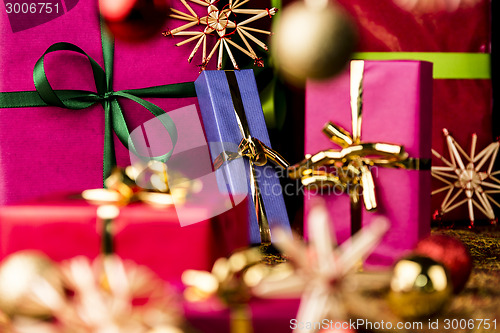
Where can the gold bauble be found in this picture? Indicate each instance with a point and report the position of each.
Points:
(30, 284)
(228, 280)
(312, 39)
(420, 287)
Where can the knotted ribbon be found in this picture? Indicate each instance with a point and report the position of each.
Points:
(122, 189)
(256, 152)
(229, 283)
(114, 119)
(354, 161)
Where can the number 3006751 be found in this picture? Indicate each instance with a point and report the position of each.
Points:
(31, 8)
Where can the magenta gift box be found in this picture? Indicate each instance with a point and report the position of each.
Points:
(64, 227)
(264, 315)
(50, 149)
(397, 109)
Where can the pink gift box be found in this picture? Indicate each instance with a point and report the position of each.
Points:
(50, 149)
(65, 226)
(269, 315)
(397, 109)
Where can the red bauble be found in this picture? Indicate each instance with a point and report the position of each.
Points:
(452, 253)
(134, 20)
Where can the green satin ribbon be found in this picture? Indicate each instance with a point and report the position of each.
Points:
(113, 114)
(447, 65)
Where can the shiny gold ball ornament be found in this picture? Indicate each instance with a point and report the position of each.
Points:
(30, 284)
(420, 287)
(228, 281)
(313, 39)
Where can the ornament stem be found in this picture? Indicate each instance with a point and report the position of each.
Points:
(107, 213)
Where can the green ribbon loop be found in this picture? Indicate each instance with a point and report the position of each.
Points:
(45, 95)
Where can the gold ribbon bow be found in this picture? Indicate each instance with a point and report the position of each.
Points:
(353, 163)
(227, 282)
(256, 152)
(122, 188)
(231, 281)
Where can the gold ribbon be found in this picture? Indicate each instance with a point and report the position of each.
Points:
(122, 186)
(256, 152)
(354, 161)
(122, 189)
(230, 282)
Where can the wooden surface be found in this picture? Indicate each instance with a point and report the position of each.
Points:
(479, 301)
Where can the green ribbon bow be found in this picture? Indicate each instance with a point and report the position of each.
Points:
(81, 99)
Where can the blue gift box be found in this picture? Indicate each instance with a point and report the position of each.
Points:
(222, 95)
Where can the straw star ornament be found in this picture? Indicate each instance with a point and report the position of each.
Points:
(220, 22)
(321, 268)
(464, 175)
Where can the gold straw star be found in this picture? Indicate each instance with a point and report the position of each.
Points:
(219, 23)
(323, 271)
(462, 175)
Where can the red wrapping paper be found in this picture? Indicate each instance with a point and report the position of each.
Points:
(264, 316)
(63, 228)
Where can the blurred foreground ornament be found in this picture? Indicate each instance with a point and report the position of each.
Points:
(429, 6)
(229, 281)
(420, 287)
(452, 253)
(337, 330)
(322, 271)
(25, 277)
(119, 296)
(134, 20)
(313, 39)
(220, 22)
(107, 295)
(228, 284)
(462, 176)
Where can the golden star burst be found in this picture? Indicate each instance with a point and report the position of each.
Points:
(324, 272)
(219, 22)
(463, 177)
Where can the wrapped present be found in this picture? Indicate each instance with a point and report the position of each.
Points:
(65, 226)
(457, 41)
(235, 127)
(53, 136)
(168, 216)
(386, 139)
(258, 316)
